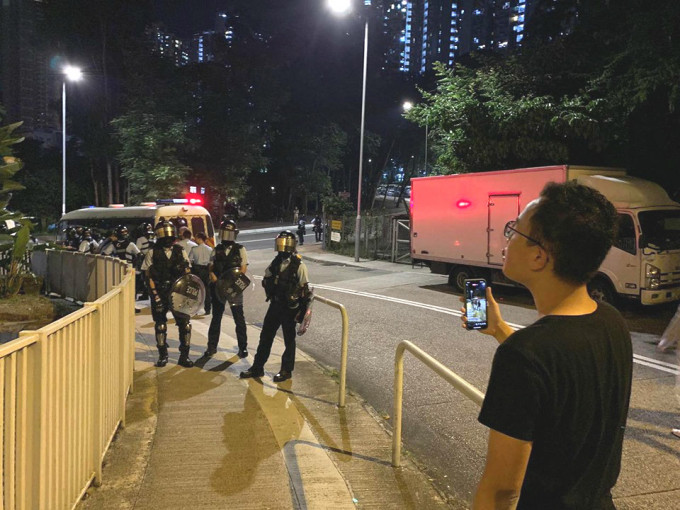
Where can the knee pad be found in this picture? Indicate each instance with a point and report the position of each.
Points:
(161, 327)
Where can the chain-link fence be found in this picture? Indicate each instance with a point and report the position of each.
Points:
(380, 236)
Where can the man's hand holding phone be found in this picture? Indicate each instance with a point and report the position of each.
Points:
(496, 326)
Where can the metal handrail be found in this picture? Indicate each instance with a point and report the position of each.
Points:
(343, 347)
(451, 377)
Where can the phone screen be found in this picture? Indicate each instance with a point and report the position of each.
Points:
(475, 303)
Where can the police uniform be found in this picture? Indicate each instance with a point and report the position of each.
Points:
(144, 243)
(164, 265)
(200, 257)
(286, 286)
(227, 255)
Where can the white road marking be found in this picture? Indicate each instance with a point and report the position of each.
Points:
(641, 360)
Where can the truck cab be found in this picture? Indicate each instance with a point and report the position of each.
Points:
(644, 263)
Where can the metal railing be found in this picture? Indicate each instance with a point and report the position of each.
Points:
(343, 346)
(63, 389)
(451, 377)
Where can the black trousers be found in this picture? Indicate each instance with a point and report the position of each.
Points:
(216, 321)
(278, 315)
(203, 273)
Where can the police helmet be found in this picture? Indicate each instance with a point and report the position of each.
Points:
(166, 230)
(228, 230)
(71, 233)
(87, 233)
(285, 242)
(121, 232)
(146, 228)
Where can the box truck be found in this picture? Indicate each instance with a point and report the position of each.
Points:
(457, 224)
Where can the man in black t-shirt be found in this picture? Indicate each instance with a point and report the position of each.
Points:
(559, 390)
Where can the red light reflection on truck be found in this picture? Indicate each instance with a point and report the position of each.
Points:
(462, 204)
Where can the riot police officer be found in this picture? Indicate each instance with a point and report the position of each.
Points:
(164, 264)
(125, 249)
(88, 244)
(144, 242)
(226, 256)
(286, 285)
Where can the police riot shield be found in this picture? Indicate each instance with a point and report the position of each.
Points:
(187, 295)
(230, 284)
(304, 317)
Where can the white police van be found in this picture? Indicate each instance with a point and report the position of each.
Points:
(103, 220)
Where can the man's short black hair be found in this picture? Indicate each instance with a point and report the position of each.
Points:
(186, 234)
(577, 224)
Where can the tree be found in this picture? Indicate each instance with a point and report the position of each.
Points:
(150, 149)
(483, 121)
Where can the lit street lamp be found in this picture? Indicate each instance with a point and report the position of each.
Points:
(70, 74)
(342, 7)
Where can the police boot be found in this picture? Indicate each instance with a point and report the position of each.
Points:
(161, 334)
(184, 345)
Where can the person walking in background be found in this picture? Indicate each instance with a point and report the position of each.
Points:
(226, 256)
(301, 230)
(318, 228)
(559, 390)
(286, 286)
(296, 214)
(199, 256)
(671, 335)
(186, 241)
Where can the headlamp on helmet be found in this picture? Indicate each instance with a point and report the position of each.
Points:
(285, 242)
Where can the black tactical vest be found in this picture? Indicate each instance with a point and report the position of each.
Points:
(164, 269)
(282, 286)
(223, 262)
(121, 247)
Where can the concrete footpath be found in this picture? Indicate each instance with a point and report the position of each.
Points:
(203, 438)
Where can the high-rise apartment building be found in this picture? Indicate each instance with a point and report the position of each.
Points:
(421, 32)
(24, 85)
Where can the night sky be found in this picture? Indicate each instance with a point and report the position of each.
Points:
(185, 17)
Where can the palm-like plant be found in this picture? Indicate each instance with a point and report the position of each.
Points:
(11, 252)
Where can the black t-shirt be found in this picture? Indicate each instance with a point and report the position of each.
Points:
(564, 384)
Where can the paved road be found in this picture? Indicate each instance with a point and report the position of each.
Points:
(440, 426)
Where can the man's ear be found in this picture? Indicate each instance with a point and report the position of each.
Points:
(540, 258)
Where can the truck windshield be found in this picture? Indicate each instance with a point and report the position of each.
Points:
(661, 228)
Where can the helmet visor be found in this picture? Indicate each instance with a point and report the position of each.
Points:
(285, 244)
(228, 235)
(166, 230)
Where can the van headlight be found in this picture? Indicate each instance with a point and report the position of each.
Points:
(652, 271)
(654, 283)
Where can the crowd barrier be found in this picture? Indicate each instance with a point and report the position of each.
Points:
(64, 387)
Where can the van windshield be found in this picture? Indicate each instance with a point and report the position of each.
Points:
(661, 228)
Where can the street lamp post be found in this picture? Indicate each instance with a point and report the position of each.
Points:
(70, 74)
(341, 7)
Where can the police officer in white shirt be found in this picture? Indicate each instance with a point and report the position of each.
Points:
(200, 259)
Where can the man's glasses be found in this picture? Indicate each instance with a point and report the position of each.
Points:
(510, 230)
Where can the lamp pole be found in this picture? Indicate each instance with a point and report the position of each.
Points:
(73, 74)
(357, 228)
(342, 7)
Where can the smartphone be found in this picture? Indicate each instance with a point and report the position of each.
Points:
(475, 303)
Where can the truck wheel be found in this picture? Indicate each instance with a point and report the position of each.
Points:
(458, 275)
(602, 291)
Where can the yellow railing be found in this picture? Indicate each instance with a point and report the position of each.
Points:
(63, 387)
(445, 373)
(343, 345)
